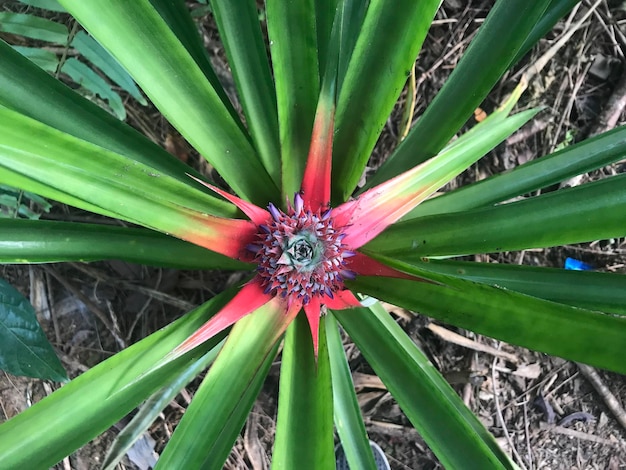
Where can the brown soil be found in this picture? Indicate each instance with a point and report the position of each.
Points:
(579, 88)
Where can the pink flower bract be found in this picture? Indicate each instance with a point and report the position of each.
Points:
(305, 253)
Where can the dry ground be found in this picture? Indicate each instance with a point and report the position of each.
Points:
(525, 398)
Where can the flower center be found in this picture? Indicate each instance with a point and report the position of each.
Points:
(303, 251)
(300, 254)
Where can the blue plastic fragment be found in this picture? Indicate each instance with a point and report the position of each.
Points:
(576, 265)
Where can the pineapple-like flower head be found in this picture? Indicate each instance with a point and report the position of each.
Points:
(306, 252)
(299, 254)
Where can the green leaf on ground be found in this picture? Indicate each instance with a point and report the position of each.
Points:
(91, 81)
(15, 203)
(24, 348)
(51, 5)
(45, 59)
(97, 55)
(33, 27)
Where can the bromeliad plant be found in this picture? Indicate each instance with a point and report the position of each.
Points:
(319, 250)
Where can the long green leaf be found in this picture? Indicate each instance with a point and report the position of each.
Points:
(591, 290)
(352, 16)
(324, 19)
(43, 160)
(580, 158)
(178, 17)
(293, 47)
(135, 34)
(588, 336)
(589, 212)
(209, 428)
(394, 30)
(43, 241)
(487, 58)
(48, 431)
(346, 411)
(27, 89)
(450, 429)
(240, 31)
(385, 203)
(304, 426)
(556, 10)
(151, 409)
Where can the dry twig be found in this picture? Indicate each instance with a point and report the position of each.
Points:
(609, 399)
(501, 417)
(108, 323)
(577, 434)
(456, 338)
(252, 444)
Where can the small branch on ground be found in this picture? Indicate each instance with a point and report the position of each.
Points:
(108, 323)
(459, 340)
(607, 396)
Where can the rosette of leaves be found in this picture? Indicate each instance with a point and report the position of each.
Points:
(315, 98)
